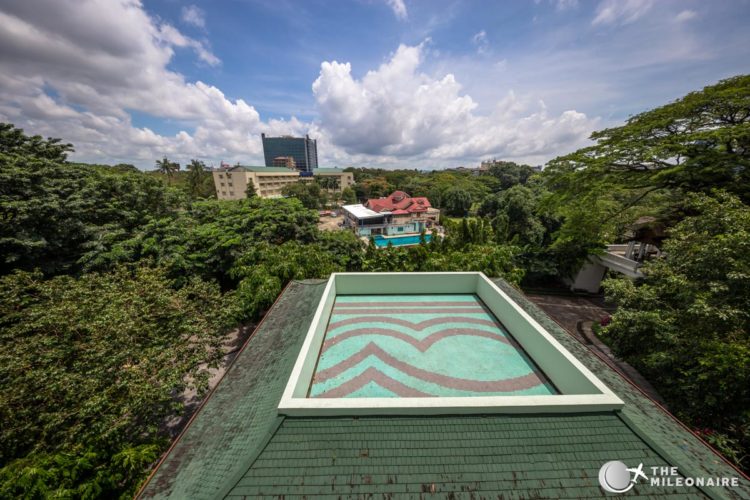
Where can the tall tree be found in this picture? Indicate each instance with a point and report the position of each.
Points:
(250, 190)
(52, 214)
(510, 174)
(197, 175)
(167, 167)
(457, 202)
(348, 195)
(695, 144)
(308, 193)
(13, 141)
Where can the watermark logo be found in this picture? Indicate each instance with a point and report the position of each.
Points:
(616, 477)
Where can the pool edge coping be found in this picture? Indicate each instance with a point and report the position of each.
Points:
(292, 405)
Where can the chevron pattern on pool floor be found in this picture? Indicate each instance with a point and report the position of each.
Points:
(420, 346)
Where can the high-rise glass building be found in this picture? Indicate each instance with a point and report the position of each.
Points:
(303, 149)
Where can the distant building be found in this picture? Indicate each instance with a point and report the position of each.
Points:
(303, 150)
(396, 214)
(284, 161)
(231, 183)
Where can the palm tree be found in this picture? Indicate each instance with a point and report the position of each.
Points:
(196, 176)
(167, 167)
(334, 183)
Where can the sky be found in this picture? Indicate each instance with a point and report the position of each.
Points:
(381, 83)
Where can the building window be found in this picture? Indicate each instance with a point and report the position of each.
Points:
(230, 184)
(231, 193)
(222, 184)
(221, 176)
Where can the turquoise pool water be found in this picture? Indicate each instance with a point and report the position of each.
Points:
(399, 240)
(420, 346)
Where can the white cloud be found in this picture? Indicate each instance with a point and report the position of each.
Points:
(685, 15)
(171, 36)
(620, 11)
(396, 112)
(481, 42)
(194, 16)
(93, 83)
(64, 76)
(398, 7)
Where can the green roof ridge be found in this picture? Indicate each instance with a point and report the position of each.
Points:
(250, 460)
(712, 492)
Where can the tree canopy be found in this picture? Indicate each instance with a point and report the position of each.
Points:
(13, 142)
(52, 214)
(687, 325)
(89, 371)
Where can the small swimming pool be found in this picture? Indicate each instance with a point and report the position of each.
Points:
(386, 346)
(399, 241)
(433, 344)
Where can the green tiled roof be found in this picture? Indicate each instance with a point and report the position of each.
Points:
(328, 171)
(252, 168)
(237, 445)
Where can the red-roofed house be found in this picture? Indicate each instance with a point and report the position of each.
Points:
(396, 214)
(398, 200)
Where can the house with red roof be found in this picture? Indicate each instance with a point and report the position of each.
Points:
(396, 214)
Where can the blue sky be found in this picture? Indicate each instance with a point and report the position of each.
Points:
(394, 83)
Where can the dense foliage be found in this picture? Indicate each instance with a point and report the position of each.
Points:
(695, 144)
(52, 214)
(309, 194)
(89, 371)
(687, 326)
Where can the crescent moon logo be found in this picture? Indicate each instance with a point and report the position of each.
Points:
(614, 477)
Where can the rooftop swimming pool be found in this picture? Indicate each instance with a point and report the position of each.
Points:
(421, 346)
(432, 344)
(399, 241)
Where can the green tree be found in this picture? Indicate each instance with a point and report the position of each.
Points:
(514, 216)
(14, 142)
(510, 174)
(695, 144)
(250, 190)
(457, 202)
(493, 260)
(198, 180)
(308, 193)
(109, 352)
(125, 168)
(167, 167)
(349, 196)
(53, 214)
(207, 238)
(686, 327)
(647, 166)
(373, 188)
